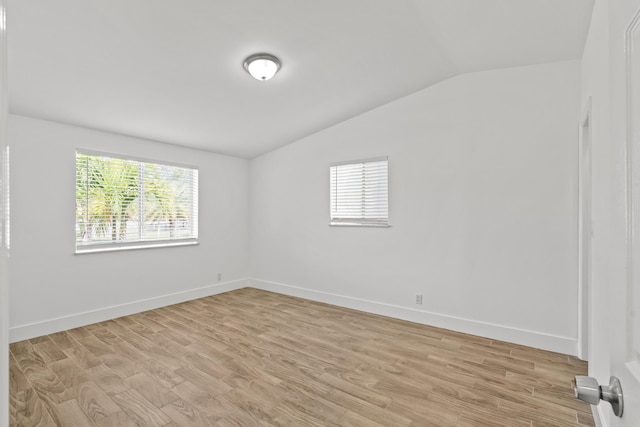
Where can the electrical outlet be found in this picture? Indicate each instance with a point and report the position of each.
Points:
(219, 277)
(418, 298)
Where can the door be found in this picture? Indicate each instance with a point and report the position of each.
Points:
(4, 224)
(624, 302)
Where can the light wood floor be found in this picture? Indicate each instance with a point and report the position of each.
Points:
(253, 358)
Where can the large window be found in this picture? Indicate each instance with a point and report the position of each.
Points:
(124, 203)
(359, 193)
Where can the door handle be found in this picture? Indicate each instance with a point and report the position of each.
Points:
(588, 390)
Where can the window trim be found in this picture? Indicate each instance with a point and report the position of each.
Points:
(110, 246)
(134, 158)
(129, 246)
(360, 222)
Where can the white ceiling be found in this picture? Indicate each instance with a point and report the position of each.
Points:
(171, 71)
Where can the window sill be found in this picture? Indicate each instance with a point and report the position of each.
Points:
(130, 247)
(355, 224)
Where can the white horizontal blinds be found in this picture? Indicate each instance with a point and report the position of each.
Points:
(359, 193)
(169, 202)
(121, 201)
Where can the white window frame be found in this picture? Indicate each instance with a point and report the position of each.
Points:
(108, 246)
(367, 219)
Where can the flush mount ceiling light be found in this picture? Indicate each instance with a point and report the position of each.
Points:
(262, 66)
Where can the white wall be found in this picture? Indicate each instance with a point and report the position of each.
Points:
(483, 201)
(483, 172)
(53, 289)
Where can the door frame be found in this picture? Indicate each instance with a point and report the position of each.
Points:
(584, 236)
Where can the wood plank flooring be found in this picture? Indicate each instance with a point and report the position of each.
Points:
(254, 358)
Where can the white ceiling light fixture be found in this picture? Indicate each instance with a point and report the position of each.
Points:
(262, 66)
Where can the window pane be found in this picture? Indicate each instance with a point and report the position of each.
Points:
(121, 201)
(359, 193)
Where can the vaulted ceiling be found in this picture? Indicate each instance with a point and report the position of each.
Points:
(171, 71)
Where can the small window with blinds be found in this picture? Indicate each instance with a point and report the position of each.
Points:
(360, 193)
(128, 203)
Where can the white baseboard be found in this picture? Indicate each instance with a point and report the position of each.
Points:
(540, 340)
(504, 333)
(49, 326)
